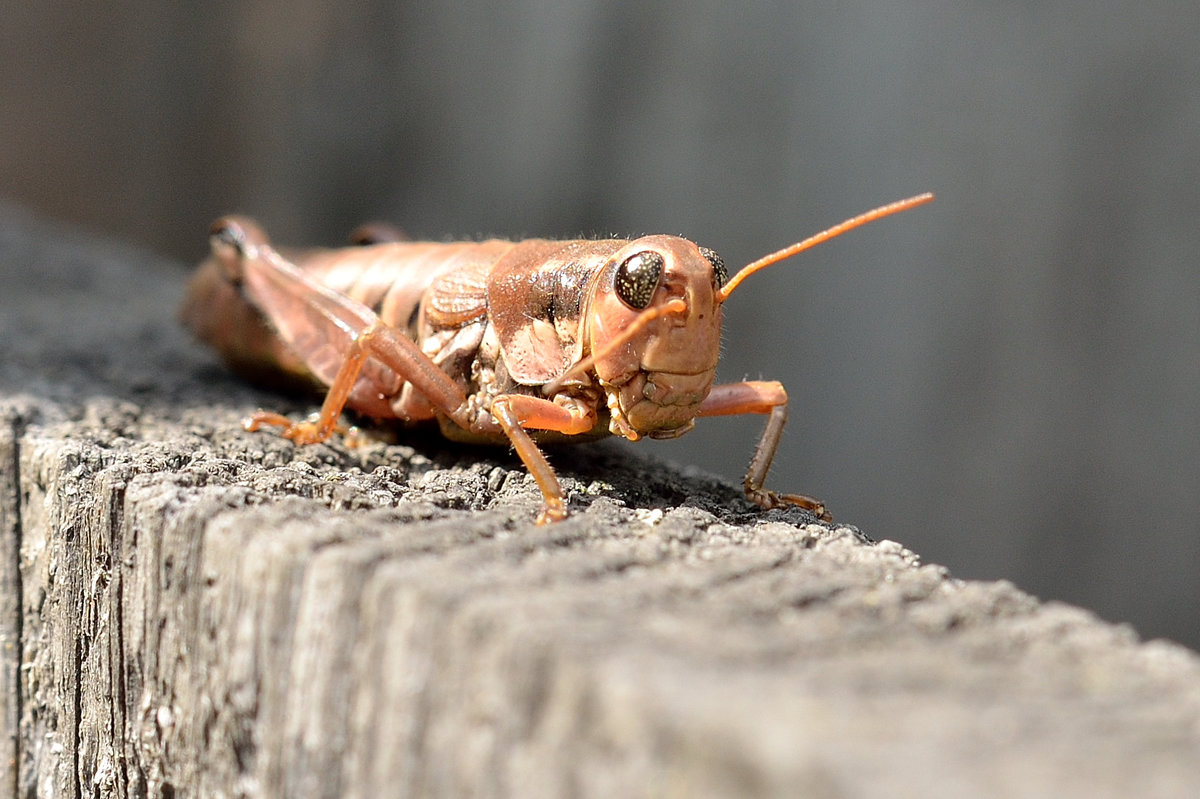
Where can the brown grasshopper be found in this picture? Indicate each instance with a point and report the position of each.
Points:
(498, 341)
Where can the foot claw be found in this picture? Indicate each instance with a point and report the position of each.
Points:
(308, 432)
(549, 514)
(769, 499)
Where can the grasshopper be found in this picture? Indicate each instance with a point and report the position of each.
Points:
(509, 342)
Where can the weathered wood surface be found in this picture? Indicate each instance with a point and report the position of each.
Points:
(190, 610)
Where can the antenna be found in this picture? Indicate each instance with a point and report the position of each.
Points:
(826, 235)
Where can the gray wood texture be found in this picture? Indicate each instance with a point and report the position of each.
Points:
(190, 610)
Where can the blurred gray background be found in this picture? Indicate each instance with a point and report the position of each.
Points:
(1005, 381)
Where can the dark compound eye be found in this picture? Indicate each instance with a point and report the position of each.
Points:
(718, 265)
(637, 278)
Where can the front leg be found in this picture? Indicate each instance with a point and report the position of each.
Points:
(516, 412)
(766, 397)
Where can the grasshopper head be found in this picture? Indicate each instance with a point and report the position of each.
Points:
(658, 300)
(654, 325)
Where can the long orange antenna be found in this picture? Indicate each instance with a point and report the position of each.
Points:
(813, 241)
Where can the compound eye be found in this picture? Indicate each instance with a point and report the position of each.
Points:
(637, 278)
(718, 265)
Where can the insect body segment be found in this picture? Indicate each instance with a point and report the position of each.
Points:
(497, 341)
